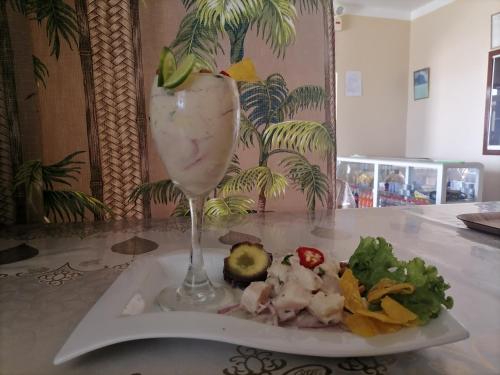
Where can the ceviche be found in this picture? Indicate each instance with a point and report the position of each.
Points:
(373, 293)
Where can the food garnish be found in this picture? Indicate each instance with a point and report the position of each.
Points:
(243, 71)
(374, 261)
(310, 257)
(246, 263)
(171, 74)
(167, 65)
(391, 317)
(179, 74)
(388, 286)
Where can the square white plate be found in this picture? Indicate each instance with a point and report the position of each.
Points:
(105, 324)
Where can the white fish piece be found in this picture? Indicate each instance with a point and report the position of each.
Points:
(306, 320)
(285, 315)
(255, 295)
(329, 268)
(293, 296)
(278, 270)
(327, 307)
(275, 284)
(331, 284)
(305, 277)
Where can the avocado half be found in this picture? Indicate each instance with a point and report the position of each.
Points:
(246, 263)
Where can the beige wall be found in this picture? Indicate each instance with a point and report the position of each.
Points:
(454, 42)
(373, 124)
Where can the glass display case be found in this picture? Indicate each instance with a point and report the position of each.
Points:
(380, 182)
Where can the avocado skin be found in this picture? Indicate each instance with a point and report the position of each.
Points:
(240, 281)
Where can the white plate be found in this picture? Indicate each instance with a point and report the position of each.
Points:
(105, 325)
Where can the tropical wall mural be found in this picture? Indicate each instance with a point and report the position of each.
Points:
(288, 150)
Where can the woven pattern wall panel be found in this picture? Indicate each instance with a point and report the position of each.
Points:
(7, 205)
(116, 106)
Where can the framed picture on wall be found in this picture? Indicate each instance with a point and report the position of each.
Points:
(495, 30)
(421, 83)
(491, 140)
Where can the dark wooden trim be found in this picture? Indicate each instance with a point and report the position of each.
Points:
(141, 104)
(491, 55)
(96, 184)
(9, 82)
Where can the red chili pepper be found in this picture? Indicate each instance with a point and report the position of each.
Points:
(205, 71)
(310, 257)
(224, 73)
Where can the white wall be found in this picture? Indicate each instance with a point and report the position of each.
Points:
(454, 42)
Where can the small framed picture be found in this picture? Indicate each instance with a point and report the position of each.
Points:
(421, 84)
(495, 30)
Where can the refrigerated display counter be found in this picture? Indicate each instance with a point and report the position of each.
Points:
(381, 182)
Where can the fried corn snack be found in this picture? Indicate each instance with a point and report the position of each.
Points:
(387, 286)
(364, 322)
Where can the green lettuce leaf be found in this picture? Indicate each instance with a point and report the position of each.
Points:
(374, 260)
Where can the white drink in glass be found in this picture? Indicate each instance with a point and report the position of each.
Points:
(195, 128)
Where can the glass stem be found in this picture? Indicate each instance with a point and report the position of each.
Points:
(196, 208)
(196, 287)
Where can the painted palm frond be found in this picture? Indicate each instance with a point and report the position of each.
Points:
(222, 13)
(21, 6)
(263, 100)
(32, 173)
(60, 204)
(182, 208)
(234, 165)
(40, 71)
(261, 177)
(188, 3)
(308, 178)
(196, 38)
(230, 205)
(308, 6)
(162, 192)
(276, 24)
(233, 170)
(62, 171)
(65, 205)
(61, 22)
(300, 136)
(303, 97)
(248, 132)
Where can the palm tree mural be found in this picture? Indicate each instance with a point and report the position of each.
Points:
(270, 106)
(273, 21)
(268, 103)
(58, 205)
(60, 25)
(58, 19)
(164, 192)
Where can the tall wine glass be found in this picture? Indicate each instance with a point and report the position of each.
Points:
(195, 128)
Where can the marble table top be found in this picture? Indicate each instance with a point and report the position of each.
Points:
(43, 298)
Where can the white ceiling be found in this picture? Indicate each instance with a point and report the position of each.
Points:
(398, 9)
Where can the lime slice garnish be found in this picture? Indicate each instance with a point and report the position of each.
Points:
(167, 65)
(181, 73)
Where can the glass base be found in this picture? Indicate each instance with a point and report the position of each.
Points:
(211, 300)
